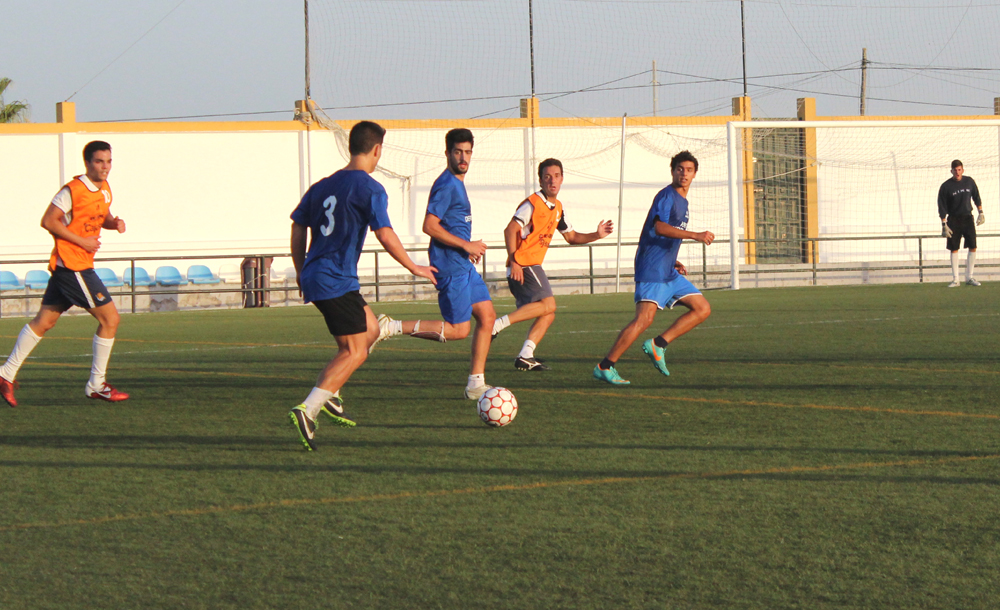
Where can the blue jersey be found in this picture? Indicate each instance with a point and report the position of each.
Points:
(338, 210)
(449, 202)
(655, 258)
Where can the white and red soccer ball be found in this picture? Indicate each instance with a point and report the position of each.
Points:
(497, 407)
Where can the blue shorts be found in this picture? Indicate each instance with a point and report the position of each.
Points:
(81, 288)
(665, 294)
(458, 293)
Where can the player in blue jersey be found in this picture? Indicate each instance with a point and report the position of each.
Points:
(338, 211)
(462, 293)
(659, 277)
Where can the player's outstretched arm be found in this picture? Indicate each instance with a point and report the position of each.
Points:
(52, 221)
(390, 241)
(604, 228)
(433, 228)
(705, 237)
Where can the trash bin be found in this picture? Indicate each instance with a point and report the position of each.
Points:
(256, 280)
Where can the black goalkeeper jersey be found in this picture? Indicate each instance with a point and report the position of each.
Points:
(955, 197)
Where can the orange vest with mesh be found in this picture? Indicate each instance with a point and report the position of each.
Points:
(89, 210)
(532, 249)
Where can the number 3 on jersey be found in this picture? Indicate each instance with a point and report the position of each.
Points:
(330, 204)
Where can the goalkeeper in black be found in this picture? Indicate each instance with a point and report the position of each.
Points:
(955, 199)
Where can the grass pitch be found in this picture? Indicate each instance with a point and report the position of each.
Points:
(812, 448)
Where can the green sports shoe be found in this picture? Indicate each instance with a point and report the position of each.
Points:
(334, 408)
(611, 376)
(655, 354)
(305, 426)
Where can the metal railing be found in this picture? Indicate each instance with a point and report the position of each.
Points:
(257, 285)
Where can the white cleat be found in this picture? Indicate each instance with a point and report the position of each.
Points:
(476, 393)
(973, 282)
(954, 285)
(384, 328)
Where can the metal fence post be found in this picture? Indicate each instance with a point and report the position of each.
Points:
(704, 266)
(812, 246)
(376, 277)
(590, 252)
(920, 257)
(132, 284)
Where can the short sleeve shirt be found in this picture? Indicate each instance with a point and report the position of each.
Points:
(338, 210)
(655, 258)
(449, 201)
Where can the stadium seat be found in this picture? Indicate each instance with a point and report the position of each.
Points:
(230, 274)
(169, 276)
(9, 281)
(36, 279)
(109, 277)
(200, 274)
(141, 277)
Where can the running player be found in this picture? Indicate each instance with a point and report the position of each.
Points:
(462, 293)
(75, 218)
(955, 198)
(527, 237)
(659, 277)
(337, 211)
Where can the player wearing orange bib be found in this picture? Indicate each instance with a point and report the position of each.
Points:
(527, 237)
(75, 218)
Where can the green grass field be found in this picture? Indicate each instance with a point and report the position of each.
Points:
(813, 448)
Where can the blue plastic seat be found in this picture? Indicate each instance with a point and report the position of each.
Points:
(200, 274)
(36, 279)
(169, 276)
(141, 277)
(9, 281)
(109, 277)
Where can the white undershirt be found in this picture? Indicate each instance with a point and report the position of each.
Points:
(523, 216)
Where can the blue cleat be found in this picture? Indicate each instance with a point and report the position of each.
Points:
(610, 376)
(655, 354)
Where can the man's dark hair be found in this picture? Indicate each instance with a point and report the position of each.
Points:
(458, 136)
(364, 137)
(681, 157)
(956, 163)
(92, 147)
(548, 163)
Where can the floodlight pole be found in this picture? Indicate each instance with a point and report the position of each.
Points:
(308, 84)
(743, 35)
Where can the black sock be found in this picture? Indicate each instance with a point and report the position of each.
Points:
(605, 364)
(659, 342)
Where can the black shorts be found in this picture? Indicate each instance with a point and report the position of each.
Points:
(81, 288)
(535, 287)
(962, 226)
(344, 315)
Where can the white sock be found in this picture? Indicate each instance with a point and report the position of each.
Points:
(500, 324)
(26, 341)
(954, 266)
(476, 381)
(528, 351)
(99, 368)
(970, 265)
(395, 328)
(314, 402)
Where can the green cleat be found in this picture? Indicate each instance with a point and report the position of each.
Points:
(334, 408)
(305, 426)
(655, 354)
(610, 376)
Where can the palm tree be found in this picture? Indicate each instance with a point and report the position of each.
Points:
(14, 112)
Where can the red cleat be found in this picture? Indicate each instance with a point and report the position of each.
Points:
(106, 392)
(7, 391)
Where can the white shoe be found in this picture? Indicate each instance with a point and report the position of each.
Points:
(954, 284)
(384, 324)
(476, 393)
(972, 282)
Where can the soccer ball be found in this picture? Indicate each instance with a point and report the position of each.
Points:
(497, 407)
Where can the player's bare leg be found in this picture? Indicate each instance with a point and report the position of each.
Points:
(26, 341)
(352, 353)
(484, 315)
(645, 313)
(698, 312)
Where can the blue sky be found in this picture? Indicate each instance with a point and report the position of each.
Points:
(467, 58)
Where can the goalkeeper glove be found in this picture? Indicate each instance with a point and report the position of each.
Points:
(945, 230)
(981, 218)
